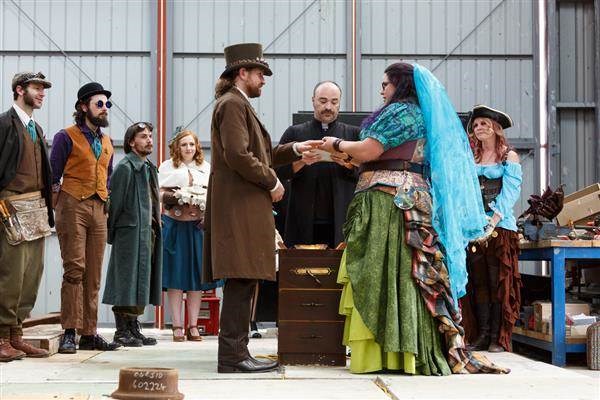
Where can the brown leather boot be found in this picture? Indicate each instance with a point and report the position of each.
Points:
(8, 353)
(495, 320)
(30, 351)
(483, 325)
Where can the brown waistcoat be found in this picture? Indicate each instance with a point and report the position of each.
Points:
(85, 176)
(29, 176)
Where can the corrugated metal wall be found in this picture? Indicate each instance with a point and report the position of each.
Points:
(106, 41)
(575, 143)
(481, 50)
(301, 52)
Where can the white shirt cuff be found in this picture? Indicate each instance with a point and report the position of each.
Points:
(277, 186)
(295, 147)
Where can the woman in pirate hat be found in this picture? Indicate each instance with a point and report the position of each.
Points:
(494, 279)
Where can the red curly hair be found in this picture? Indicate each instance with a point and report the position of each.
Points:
(175, 152)
(501, 143)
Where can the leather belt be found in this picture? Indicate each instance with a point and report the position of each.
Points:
(391, 165)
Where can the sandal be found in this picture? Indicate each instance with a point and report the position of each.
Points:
(191, 337)
(178, 338)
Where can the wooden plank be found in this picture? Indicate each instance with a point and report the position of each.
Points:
(547, 337)
(52, 318)
(557, 243)
(44, 336)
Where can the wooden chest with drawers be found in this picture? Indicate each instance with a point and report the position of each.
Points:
(310, 328)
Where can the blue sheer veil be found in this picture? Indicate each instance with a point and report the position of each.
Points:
(458, 215)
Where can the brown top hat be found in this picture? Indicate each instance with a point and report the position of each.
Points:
(245, 55)
(483, 111)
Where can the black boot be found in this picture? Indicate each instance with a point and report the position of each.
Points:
(483, 326)
(67, 342)
(135, 329)
(123, 335)
(96, 342)
(495, 319)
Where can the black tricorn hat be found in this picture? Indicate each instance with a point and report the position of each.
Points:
(245, 55)
(483, 111)
(90, 89)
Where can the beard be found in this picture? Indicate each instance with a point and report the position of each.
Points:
(100, 120)
(327, 117)
(29, 100)
(253, 91)
(143, 150)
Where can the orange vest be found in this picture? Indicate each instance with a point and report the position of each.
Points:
(85, 176)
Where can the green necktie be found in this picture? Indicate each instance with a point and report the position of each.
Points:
(96, 146)
(31, 130)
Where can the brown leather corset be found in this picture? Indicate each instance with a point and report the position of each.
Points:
(490, 189)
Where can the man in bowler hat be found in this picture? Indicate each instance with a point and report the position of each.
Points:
(81, 158)
(24, 169)
(239, 243)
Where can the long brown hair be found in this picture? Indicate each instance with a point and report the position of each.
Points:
(501, 143)
(223, 85)
(175, 152)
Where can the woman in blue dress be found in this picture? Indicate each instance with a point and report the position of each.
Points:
(416, 206)
(494, 278)
(183, 180)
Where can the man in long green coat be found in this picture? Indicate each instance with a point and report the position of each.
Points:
(135, 268)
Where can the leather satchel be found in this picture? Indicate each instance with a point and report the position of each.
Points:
(24, 217)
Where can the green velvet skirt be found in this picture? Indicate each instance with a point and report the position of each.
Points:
(387, 324)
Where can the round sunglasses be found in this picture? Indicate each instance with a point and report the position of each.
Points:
(101, 104)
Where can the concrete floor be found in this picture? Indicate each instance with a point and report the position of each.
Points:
(94, 375)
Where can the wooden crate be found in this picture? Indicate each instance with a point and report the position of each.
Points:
(310, 328)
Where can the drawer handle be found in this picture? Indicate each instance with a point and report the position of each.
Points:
(313, 336)
(312, 304)
(312, 271)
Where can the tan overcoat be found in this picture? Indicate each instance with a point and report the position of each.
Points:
(239, 225)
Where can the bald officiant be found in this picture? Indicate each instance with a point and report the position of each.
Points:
(321, 189)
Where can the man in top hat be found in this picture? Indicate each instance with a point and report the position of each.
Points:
(81, 159)
(24, 169)
(239, 237)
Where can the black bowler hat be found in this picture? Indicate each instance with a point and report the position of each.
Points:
(483, 111)
(90, 89)
(245, 55)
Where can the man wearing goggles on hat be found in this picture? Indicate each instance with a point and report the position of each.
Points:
(24, 171)
(82, 156)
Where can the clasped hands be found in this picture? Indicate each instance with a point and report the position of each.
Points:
(311, 154)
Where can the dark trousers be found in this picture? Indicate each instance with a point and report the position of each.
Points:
(235, 320)
(323, 233)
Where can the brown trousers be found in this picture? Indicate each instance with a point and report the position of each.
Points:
(81, 228)
(21, 269)
(235, 320)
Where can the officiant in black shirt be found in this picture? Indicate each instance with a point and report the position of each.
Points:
(320, 187)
